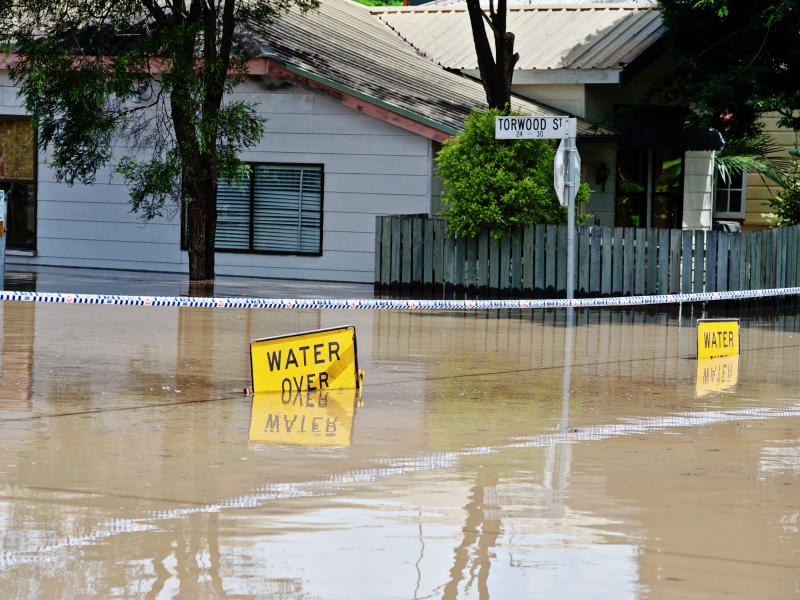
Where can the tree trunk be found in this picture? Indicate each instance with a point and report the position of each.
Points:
(201, 224)
(496, 70)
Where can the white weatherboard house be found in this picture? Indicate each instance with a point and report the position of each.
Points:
(355, 115)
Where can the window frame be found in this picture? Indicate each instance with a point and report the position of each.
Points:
(33, 182)
(736, 216)
(251, 250)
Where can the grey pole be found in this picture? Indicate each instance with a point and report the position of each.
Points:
(3, 231)
(568, 191)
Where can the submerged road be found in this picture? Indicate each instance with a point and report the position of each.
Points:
(486, 458)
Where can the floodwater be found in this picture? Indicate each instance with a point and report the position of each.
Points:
(499, 455)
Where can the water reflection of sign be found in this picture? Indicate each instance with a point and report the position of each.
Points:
(315, 360)
(318, 418)
(717, 337)
(716, 374)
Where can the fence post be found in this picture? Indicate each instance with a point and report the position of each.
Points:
(377, 254)
(562, 237)
(427, 271)
(595, 261)
(395, 265)
(640, 251)
(607, 263)
(674, 261)
(723, 258)
(699, 260)
(539, 253)
(407, 251)
(550, 260)
(483, 261)
(418, 247)
(616, 265)
(470, 280)
(627, 261)
(583, 242)
(527, 257)
(516, 262)
(734, 262)
(663, 261)
(439, 234)
(686, 261)
(711, 261)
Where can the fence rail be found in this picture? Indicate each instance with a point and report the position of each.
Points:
(414, 253)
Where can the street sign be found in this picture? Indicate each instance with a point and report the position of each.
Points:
(566, 172)
(566, 166)
(717, 337)
(313, 360)
(521, 127)
(304, 418)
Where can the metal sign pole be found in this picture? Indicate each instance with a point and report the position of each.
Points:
(570, 195)
(519, 127)
(3, 228)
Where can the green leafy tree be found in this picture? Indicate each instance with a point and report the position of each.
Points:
(498, 184)
(735, 59)
(152, 75)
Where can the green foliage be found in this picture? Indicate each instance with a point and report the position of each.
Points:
(734, 60)
(498, 184)
(752, 153)
(786, 205)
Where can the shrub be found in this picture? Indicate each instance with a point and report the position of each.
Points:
(498, 184)
(786, 205)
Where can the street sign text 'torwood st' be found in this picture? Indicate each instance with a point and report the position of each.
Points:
(521, 127)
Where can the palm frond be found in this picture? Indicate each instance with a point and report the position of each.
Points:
(757, 153)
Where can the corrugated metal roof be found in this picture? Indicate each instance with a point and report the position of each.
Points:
(343, 43)
(557, 36)
(536, 2)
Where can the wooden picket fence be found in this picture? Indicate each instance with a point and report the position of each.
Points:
(414, 253)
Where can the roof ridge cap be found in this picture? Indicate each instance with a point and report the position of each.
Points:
(459, 8)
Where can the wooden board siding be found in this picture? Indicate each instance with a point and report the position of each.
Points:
(610, 261)
(760, 190)
(370, 168)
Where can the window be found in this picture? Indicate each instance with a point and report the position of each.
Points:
(649, 188)
(277, 210)
(18, 180)
(730, 196)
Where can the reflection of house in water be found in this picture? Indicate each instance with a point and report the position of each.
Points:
(16, 354)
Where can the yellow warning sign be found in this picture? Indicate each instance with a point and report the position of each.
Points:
(314, 360)
(717, 337)
(319, 418)
(716, 374)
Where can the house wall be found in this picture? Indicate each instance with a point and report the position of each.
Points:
(698, 190)
(370, 168)
(760, 189)
(568, 97)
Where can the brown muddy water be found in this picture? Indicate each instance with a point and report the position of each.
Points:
(484, 459)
